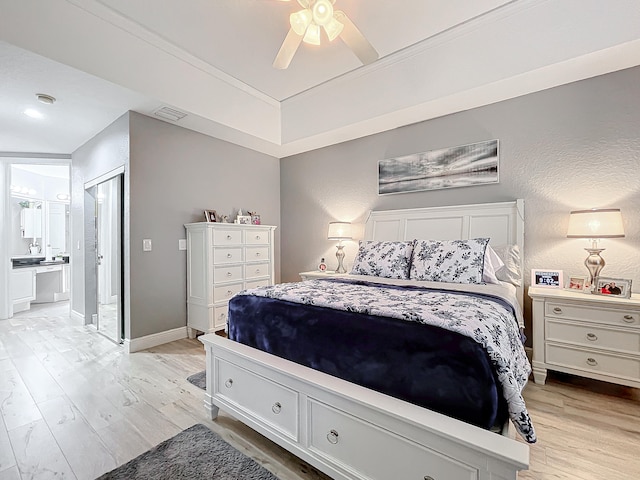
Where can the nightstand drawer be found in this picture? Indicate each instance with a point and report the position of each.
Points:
(593, 336)
(583, 359)
(590, 313)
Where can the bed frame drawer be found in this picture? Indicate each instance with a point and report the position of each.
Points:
(374, 452)
(272, 403)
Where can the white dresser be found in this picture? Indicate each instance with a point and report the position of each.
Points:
(223, 259)
(595, 336)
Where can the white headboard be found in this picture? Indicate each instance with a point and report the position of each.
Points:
(502, 222)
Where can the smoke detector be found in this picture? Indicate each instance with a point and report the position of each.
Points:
(170, 114)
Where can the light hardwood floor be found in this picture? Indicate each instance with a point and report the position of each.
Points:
(74, 405)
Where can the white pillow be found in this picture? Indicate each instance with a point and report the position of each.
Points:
(454, 261)
(492, 263)
(383, 259)
(510, 256)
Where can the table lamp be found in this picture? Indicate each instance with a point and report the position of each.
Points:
(595, 224)
(339, 231)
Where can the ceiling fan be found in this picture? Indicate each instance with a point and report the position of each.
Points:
(305, 26)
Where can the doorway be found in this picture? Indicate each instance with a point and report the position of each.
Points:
(104, 226)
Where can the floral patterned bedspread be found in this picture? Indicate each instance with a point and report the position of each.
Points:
(487, 320)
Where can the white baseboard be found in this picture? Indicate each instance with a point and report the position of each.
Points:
(79, 317)
(155, 339)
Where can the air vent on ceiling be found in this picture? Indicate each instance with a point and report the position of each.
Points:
(170, 114)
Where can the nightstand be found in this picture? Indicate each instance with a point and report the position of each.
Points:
(594, 336)
(318, 274)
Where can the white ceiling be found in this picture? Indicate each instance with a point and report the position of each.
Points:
(212, 61)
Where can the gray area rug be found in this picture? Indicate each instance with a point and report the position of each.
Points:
(195, 453)
(199, 379)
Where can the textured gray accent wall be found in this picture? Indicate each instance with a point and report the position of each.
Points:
(572, 147)
(175, 175)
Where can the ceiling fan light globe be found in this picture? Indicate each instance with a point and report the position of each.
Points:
(300, 21)
(333, 29)
(322, 12)
(313, 35)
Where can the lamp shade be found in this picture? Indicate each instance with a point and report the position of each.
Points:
(339, 231)
(596, 223)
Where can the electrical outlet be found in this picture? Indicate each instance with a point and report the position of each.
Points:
(182, 244)
(146, 245)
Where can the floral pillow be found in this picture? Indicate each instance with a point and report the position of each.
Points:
(454, 261)
(383, 259)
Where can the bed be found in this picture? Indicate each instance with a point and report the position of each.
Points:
(339, 402)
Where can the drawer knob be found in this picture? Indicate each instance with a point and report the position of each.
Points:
(229, 293)
(229, 383)
(257, 254)
(257, 270)
(427, 477)
(332, 437)
(229, 237)
(592, 362)
(229, 255)
(628, 318)
(229, 274)
(592, 337)
(276, 408)
(557, 310)
(257, 237)
(221, 316)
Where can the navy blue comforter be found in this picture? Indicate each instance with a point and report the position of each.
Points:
(422, 364)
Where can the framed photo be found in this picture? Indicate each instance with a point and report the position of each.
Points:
(577, 283)
(210, 215)
(618, 287)
(547, 278)
(255, 219)
(244, 219)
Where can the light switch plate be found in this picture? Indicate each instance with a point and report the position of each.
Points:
(146, 245)
(182, 244)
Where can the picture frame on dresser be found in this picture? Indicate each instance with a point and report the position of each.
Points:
(244, 219)
(618, 287)
(577, 283)
(210, 216)
(546, 278)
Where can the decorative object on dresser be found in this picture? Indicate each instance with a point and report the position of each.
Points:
(210, 216)
(255, 218)
(339, 231)
(619, 287)
(462, 166)
(595, 224)
(222, 259)
(547, 278)
(577, 282)
(594, 336)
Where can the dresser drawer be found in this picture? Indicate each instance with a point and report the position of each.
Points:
(256, 270)
(590, 313)
(257, 254)
(227, 274)
(227, 255)
(225, 292)
(272, 403)
(583, 359)
(220, 317)
(227, 237)
(254, 236)
(593, 336)
(376, 453)
(258, 283)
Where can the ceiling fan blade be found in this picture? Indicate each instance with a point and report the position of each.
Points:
(287, 50)
(355, 40)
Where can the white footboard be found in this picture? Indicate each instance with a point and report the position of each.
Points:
(347, 431)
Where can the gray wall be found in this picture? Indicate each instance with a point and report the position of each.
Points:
(103, 153)
(176, 174)
(572, 147)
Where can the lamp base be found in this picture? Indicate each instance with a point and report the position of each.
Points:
(594, 263)
(340, 256)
